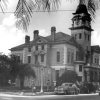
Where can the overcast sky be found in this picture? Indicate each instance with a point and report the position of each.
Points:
(10, 36)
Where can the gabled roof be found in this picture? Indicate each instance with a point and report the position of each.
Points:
(60, 37)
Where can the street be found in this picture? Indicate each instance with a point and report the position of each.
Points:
(50, 97)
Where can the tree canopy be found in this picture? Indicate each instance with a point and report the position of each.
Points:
(68, 76)
(11, 68)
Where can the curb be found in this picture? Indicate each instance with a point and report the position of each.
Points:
(27, 94)
(41, 94)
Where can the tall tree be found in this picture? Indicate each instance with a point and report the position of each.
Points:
(25, 8)
(4, 70)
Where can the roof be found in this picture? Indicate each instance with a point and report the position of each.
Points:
(19, 47)
(60, 37)
(81, 9)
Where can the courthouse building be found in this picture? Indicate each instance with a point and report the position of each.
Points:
(60, 51)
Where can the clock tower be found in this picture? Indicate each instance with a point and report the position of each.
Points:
(81, 27)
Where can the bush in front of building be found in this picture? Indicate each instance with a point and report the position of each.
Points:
(68, 76)
(88, 88)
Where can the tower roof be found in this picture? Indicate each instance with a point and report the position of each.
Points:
(81, 9)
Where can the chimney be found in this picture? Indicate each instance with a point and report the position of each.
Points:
(27, 39)
(36, 34)
(53, 31)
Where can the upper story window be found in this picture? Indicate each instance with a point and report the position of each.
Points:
(80, 36)
(29, 49)
(98, 61)
(95, 60)
(36, 47)
(36, 59)
(42, 47)
(85, 36)
(70, 57)
(58, 56)
(42, 57)
(29, 59)
(18, 58)
(75, 36)
(88, 37)
(80, 68)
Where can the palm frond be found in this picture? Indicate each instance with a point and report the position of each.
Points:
(24, 10)
(3, 5)
(23, 13)
(47, 5)
(92, 6)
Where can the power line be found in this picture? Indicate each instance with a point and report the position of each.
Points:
(45, 11)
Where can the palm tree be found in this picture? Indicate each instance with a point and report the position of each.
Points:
(25, 8)
(4, 70)
(25, 70)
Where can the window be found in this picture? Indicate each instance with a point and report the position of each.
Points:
(36, 47)
(68, 57)
(80, 68)
(29, 49)
(88, 37)
(29, 59)
(58, 56)
(42, 47)
(75, 36)
(18, 58)
(42, 57)
(80, 36)
(72, 57)
(36, 59)
(95, 60)
(85, 35)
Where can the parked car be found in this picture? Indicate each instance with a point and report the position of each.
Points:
(67, 88)
(98, 91)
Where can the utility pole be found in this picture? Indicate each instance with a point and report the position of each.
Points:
(41, 80)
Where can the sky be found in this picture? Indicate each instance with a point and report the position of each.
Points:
(10, 36)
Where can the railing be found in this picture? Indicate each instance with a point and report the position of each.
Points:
(39, 52)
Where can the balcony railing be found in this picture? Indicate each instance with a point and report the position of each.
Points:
(39, 52)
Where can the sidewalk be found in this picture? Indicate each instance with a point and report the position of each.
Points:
(40, 94)
(28, 93)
